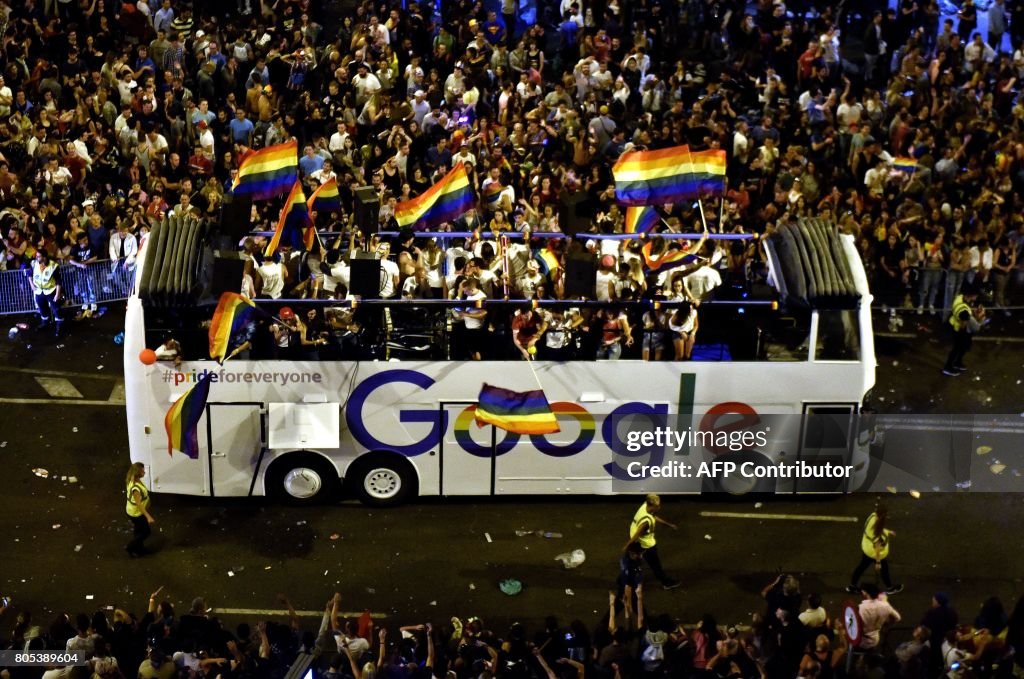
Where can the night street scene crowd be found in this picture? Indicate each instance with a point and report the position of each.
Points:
(114, 114)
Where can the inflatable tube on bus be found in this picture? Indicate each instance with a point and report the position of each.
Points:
(823, 289)
(159, 261)
(194, 257)
(805, 261)
(170, 248)
(829, 277)
(174, 284)
(826, 234)
(778, 278)
(843, 264)
(156, 234)
(791, 265)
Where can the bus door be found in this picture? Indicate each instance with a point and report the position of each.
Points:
(235, 444)
(467, 451)
(827, 437)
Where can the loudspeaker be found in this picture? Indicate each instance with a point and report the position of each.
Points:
(580, 277)
(364, 278)
(227, 274)
(234, 216)
(367, 206)
(572, 217)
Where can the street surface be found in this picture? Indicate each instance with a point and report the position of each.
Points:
(62, 405)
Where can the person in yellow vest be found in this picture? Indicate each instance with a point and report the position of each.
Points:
(641, 531)
(966, 320)
(46, 289)
(137, 508)
(874, 545)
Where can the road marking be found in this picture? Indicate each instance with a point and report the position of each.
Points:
(58, 401)
(303, 614)
(976, 338)
(59, 387)
(780, 517)
(62, 373)
(117, 393)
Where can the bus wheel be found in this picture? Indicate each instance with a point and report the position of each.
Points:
(302, 479)
(382, 480)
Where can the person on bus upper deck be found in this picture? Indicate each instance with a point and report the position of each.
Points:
(527, 327)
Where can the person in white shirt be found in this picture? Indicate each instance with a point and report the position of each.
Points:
(605, 280)
(389, 274)
(6, 99)
(123, 246)
(472, 318)
(336, 273)
(272, 276)
(336, 144)
(528, 282)
(324, 174)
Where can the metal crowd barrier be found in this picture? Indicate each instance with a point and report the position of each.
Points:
(97, 283)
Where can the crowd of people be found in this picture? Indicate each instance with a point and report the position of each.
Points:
(794, 636)
(113, 114)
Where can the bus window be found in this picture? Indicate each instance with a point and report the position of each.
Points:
(838, 336)
(785, 336)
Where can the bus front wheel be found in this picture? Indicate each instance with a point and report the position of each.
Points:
(302, 479)
(382, 480)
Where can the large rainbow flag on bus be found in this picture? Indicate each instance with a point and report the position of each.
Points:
(445, 201)
(268, 172)
(325, 197)
(525, 412)
(654, 177)
(182, 419)
(234, 312)
(294, 217)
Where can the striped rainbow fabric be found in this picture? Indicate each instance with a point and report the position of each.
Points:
(268, 172)
(654, 177)
(326, 197)
(708, 167)
(668, 259)
(233, 313)
(547, 261)
(445, 201)
(182, 419)
(905, 164)
(641, 218)
(526, 412)
(294, 216)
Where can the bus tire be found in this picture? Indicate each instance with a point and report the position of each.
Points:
(302, 478)
(382, 480)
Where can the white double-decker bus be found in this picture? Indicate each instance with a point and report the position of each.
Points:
(387, 431)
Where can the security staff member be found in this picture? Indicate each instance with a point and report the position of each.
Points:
(641, 531)
(966, 321)
(137, 508)
(46, 289)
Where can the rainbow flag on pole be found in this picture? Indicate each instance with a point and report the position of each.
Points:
(669, 259)
(655, 177)
(641, 219)
(268, 172)
(182, 419)
(294, 216)
(547, 261)
(443, 202)
(234, 312)
(904, 164)
(708, 168)
(326, 197)
(526, 412)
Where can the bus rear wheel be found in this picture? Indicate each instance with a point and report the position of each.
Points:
(382, 480)
(302, 479)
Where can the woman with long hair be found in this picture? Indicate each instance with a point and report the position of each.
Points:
(137, 508)
(874, 545)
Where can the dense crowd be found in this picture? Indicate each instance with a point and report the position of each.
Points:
(794, 636)
(115, 113)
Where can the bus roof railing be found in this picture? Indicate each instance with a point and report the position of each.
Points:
(534, 303)
(516, 235)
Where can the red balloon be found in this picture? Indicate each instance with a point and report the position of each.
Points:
(147, 356)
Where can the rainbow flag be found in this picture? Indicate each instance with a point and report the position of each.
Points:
(445, 201)
(492, 194)
(311, 238)
(526, 412)
(708, 168)
(667, 260)
(326, 197)
(294, 216)
(234, 312)
(641, 219)
(268, 172)
(548, 261)
(904, 164)
(182, 419)
(655, 177)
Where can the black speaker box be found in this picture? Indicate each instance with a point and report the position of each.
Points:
(367, 206)
(234, 216)
(580, 277)
(364, 278)
(227, 274)
(573, 214)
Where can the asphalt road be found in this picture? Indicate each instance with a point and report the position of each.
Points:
(63, 541)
